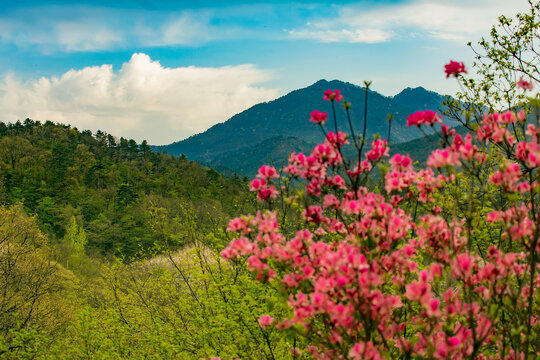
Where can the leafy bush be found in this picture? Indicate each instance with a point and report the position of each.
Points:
(436, 262)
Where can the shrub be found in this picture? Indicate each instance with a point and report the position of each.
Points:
(438, 261)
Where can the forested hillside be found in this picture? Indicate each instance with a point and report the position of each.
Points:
(111, 251)
(104, 186)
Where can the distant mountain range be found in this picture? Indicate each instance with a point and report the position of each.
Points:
(271, 130)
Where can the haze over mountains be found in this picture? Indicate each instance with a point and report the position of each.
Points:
(274, 129)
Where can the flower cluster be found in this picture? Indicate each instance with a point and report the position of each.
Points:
(262, 184)
(427, 117)
(524, 84)
(454, 68)
(396, 271)
(333, 95)
(318, 117)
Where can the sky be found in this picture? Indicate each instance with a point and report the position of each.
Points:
(165, 70)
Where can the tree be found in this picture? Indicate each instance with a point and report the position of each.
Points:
(510, 54)
(76, 238)
(31, 289)
(13, 150)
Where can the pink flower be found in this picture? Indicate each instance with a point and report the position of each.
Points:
(332, 95)
(401, 163)
(442, 350)
(508, 176)
(314, 214)
(418, 291)
(445, 129)
(265, 321)
(340, 138)
(463, 265)
(364, 351)
(443, 157)
(237, 224)
(267, 171)
(268, 193)
(427, 117)
(318, 117)
(379, 148)
(453, 341)
(330, 200)
(242, 246)
(525, 85)
(432, 308)
(454, 68)
(257, 184)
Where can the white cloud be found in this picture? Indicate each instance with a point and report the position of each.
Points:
(343, 35)
(54, 28)
(84, 28)
(187, 28)
(85, 36)
(143, 100)
(67, 29)
(184, 30)
(460, 20)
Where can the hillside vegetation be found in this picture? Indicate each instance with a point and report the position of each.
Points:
(106, 187)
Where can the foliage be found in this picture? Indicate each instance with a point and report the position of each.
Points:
(104, 185)
(442, 262)
(439, 261)
(509, 57)
(32, 286)
(76, 238)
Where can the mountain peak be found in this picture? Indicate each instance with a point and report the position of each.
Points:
(419, 98)
(334, 84)
(410, 90)
(320, 82)
(418, 91)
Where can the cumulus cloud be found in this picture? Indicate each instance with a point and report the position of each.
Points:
(459, 20)
(143, 100)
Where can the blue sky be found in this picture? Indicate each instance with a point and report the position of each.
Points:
(163, 71)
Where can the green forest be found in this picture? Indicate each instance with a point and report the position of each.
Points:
(105, 188)
(110, 249)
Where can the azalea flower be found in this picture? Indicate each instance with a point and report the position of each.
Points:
(454, 68)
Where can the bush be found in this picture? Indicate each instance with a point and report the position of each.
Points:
(439, 261)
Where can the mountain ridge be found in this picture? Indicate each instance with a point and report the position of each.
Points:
(288, 117)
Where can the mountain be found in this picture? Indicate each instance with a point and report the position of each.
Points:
(247, 160)
(262, 132)
(414, 99)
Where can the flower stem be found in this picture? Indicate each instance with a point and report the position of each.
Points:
(351, 126)
(334, 115)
